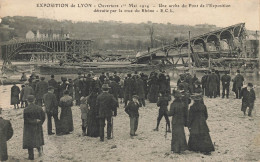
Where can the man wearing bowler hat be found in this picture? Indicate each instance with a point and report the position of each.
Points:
(34, 118)
(106, 104)
(51, 109)
(6, 133)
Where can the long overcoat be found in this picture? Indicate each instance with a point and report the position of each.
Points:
(15, 91)
(128, 88)
(33, 132)
(238, 81)
(177, 111)
(6, 133)
(26, 91)
(212, 82)
(106, 103)
(41, 89)
(140, 88)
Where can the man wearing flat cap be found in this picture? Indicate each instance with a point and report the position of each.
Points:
(34, 118)
(51, 109)
(248, 99)
(107, 106)
(6, 133)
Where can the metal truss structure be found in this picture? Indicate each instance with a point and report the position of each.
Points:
(207, 50)
(45, 50)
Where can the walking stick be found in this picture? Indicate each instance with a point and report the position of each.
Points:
(165, 131)
(112, 127)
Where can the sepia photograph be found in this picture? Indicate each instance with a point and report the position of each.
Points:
(129, 80)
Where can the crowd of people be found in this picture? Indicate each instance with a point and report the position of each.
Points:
(99, 97)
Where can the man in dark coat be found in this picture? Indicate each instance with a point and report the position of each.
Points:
(34, 118)
(128, 88)
(212, 83)
(225, 79)
(88, 85)
(248, 99)
(6, 133)
(52, 82)
(102, 77)
(116, 78)
(218, 85)
(15, 91)
(26, 91)
(163, 102)
(140, 91)
(238, 84)
(51, 106)
(204, 83)
(78, 87)
(114, 87)
(40, 90)
(106, 104)
(35, 81)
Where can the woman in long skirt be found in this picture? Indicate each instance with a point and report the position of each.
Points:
(179, 116)
(15, 91)
(199, 140)
(66, 121)
(93, 122)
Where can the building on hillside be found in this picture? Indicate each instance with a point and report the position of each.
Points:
(42, 34)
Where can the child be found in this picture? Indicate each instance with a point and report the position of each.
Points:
(132, 110)
(84, 114)
(248, 98)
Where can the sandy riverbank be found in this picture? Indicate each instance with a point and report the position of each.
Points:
(236, 138)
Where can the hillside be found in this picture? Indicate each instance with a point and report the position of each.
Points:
(106, 34)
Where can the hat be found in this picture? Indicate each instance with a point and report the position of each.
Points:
(63, 79)
(66, 92)
(37, 77)
(238, 71)
(250, 84)
(42, 78)
(135, 96)
(52, 76)
(105, 86)
(30, 98)
(197, 82)
(176, 93)
(50, 87)
(196, 96)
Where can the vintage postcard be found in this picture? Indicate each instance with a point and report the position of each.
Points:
(129, 80)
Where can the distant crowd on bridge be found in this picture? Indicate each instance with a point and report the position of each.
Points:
(99, 97)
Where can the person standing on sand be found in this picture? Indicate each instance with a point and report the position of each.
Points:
(248, 99)
(26, 91)
(6, 133)
(40, 90)
(84, 114)
(15, 91)
(106, 104)
(163, 102)
(132, 110)
(199, 139)
(238, 84)
(34, 118)
(212, 82)
(177, 111)
(52, 82)
(66, 120)
(93, 122)
(51, 106)
(225, 79)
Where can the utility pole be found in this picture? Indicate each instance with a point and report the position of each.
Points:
(189, 63)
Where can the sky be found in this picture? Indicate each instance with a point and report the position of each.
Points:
(239, 11)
